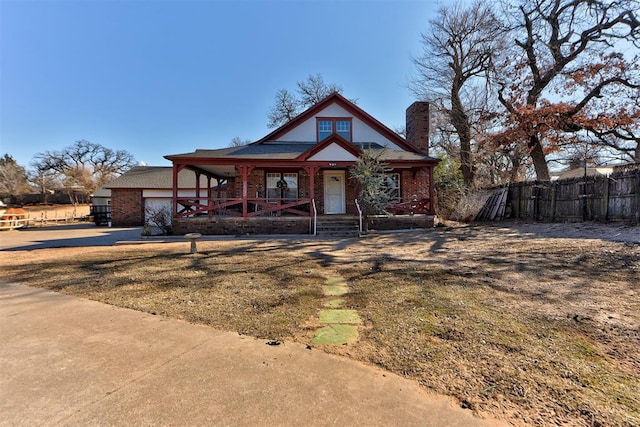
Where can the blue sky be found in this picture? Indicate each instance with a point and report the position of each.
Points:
(167, 77)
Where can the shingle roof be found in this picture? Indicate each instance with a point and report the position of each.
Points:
(155, 178)
(268, 150)
(290, 150)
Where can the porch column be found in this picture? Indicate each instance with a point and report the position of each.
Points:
(311, 171)
(197, 200)
(209, 197)
(245, 171)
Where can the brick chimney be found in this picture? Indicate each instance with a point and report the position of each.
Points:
(418, 126)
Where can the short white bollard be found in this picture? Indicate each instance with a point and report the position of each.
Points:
(192, 237)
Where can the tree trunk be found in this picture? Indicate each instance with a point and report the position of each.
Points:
(539, 160)
(460, 122)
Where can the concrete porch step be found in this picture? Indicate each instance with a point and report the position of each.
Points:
(337, 227)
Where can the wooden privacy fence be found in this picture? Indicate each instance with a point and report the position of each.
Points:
(595, 198)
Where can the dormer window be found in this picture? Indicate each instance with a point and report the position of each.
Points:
(328, 126)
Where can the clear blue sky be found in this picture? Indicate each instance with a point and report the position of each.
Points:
(167, 77)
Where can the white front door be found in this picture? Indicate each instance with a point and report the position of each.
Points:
(334, 192)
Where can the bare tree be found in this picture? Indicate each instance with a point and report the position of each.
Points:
(569, 50)
(309, 92)
(285, 108)
(84, 165)
(13, 178)
(314, 90)
(239, 142)
(452, 72)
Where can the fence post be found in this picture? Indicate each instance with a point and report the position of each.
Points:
(605, 198)
(553, 201)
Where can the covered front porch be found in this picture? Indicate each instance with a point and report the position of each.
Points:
(269, 195)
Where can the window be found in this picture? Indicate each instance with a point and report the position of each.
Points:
(392, 185)
(281, 186)
(340, 126)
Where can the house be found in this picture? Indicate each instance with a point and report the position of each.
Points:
(292, 178)
(101, 197)
(580, 172)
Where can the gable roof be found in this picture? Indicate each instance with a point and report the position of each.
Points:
(333, 139)
(270, 150)
(154, 178)
(347, 105)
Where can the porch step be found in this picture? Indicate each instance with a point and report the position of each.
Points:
(338, 227)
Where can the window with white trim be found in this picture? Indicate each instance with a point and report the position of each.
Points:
(329, 126)
(392, 186)
(281, 186)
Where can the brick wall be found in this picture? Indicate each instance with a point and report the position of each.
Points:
(286, 225)
(352, 192)
(127, 207)
(243, 226)
(415, 186)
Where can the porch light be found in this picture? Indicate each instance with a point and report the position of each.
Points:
(333, 164)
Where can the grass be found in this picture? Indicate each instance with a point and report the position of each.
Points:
(509, 326)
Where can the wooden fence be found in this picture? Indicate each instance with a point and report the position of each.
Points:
(597, 198)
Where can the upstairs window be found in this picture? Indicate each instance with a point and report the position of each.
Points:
(328, 126)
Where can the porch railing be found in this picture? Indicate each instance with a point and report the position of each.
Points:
(359, 215)
(240, 207)
(256, 206)
(315, 217)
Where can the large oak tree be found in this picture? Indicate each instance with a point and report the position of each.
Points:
(84, 165)
(571, 72)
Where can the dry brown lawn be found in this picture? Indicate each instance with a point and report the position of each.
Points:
(534, 324)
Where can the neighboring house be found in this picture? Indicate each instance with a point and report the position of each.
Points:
(580, 172)
(101, 197)
(282, 182)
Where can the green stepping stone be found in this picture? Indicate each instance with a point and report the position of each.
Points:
(340, 316)
(336, 334)
(334, 290)
(334, 303)
(334, 280)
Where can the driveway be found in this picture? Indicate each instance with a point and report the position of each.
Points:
(65, 235)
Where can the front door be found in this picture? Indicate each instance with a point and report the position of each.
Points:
(334, 192)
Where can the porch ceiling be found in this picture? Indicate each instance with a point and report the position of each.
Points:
(222, 171)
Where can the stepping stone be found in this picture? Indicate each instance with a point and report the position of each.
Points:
(340, 316)
(336, 334)
(335, 280)
(334, 290)
(334, 303)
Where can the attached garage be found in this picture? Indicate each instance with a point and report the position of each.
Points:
(146, 191)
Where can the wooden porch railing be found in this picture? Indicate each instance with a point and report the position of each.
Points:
(252, 207)
(413, 206)
(240, 207)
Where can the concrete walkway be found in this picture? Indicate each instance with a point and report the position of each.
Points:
(70, 361)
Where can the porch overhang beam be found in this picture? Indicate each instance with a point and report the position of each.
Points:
(204, 172)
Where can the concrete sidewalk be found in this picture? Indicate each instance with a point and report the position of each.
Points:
(70, 361)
